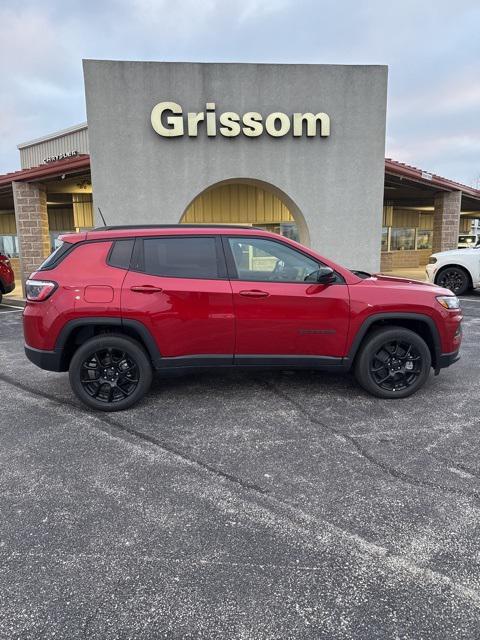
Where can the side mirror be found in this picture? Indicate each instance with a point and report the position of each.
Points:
(325, 275)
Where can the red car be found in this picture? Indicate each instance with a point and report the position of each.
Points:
(113, 304)
(7, 277)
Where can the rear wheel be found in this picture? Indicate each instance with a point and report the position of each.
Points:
(110, 372)
(453, 278)
(393, 363)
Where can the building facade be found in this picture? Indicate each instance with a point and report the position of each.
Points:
(296, 149)
(313, 136)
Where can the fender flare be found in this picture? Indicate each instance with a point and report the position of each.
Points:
(376, 317)
(135, 325)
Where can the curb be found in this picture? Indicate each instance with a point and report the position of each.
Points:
(13, 302)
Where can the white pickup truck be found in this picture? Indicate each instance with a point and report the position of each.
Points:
(457, 270)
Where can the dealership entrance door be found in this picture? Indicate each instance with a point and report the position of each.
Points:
(247, 203)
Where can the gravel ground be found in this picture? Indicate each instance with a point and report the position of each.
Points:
(250, 506)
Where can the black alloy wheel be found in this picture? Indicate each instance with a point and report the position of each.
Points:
(453, 278)
(109, 375)
(393, 362)
(396, 365)
(110, 372)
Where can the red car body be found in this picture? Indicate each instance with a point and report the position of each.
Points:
(7, 277)
(201, 322)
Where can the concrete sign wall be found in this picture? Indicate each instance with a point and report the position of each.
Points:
(161, 133)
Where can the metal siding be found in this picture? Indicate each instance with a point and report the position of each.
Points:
(404, 219)
(7, 224)
(35, 155)
(60, 219)
(82, 211)
(237, 203)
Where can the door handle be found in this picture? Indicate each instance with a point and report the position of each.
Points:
(254, 293)
(146, 288)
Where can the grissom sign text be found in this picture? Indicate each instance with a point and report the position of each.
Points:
(168, 120)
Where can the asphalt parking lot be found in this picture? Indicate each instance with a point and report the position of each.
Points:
(251, 506)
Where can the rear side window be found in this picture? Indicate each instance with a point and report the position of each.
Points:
(120, 254)
(55, 257)
(181, 257)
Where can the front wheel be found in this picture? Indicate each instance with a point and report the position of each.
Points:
(110, 372)
(393, 363)
(455, 279)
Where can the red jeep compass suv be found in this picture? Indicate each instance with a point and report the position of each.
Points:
(111, 305)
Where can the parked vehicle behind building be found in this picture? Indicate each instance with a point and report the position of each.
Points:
(457, 270)
(7, 277)
(114, 304)
(467, 241)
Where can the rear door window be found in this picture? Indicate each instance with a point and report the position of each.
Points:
(187, 257)
(120, 253)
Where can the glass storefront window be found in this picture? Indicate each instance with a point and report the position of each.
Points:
(402, 239)
(286, 229)
(424, 238)
(9, 246)
(385, 239)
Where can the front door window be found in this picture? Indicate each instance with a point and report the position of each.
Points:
(265, 260)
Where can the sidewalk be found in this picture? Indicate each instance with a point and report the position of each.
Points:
(15, 298)
(412, 274)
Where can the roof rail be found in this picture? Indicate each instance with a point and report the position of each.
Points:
(174, 226)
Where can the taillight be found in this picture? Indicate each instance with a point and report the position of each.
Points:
(39, 290)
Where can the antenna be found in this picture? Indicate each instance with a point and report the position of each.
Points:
(101, 215)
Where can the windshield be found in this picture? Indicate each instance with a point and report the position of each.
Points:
(467, 240)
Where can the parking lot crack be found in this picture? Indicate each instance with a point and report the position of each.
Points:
(298, 519)
(364, 453)
(105, 420)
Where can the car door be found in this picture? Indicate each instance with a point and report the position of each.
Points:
(280, 309)
(178, 288)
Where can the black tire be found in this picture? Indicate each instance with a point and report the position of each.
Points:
(393, 362)
(454, 278)
(1, 297)
(110, 372)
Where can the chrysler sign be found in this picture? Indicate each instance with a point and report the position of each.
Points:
(169, 121)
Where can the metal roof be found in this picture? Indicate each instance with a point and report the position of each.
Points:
(66, 166)
(82, 162)
(52, 136)
(424, 177)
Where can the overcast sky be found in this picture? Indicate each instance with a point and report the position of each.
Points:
(432, 49)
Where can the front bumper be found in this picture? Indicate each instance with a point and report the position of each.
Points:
(431, 270)
(446, 359)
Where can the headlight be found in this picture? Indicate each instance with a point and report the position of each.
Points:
(449, 302)
(432, 260)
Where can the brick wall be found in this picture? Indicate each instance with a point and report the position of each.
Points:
(15, 263)
(391, 260)
(32, 225)
(446, 220)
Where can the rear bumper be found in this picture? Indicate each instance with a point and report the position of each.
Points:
(8, 287)
(48, 360)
